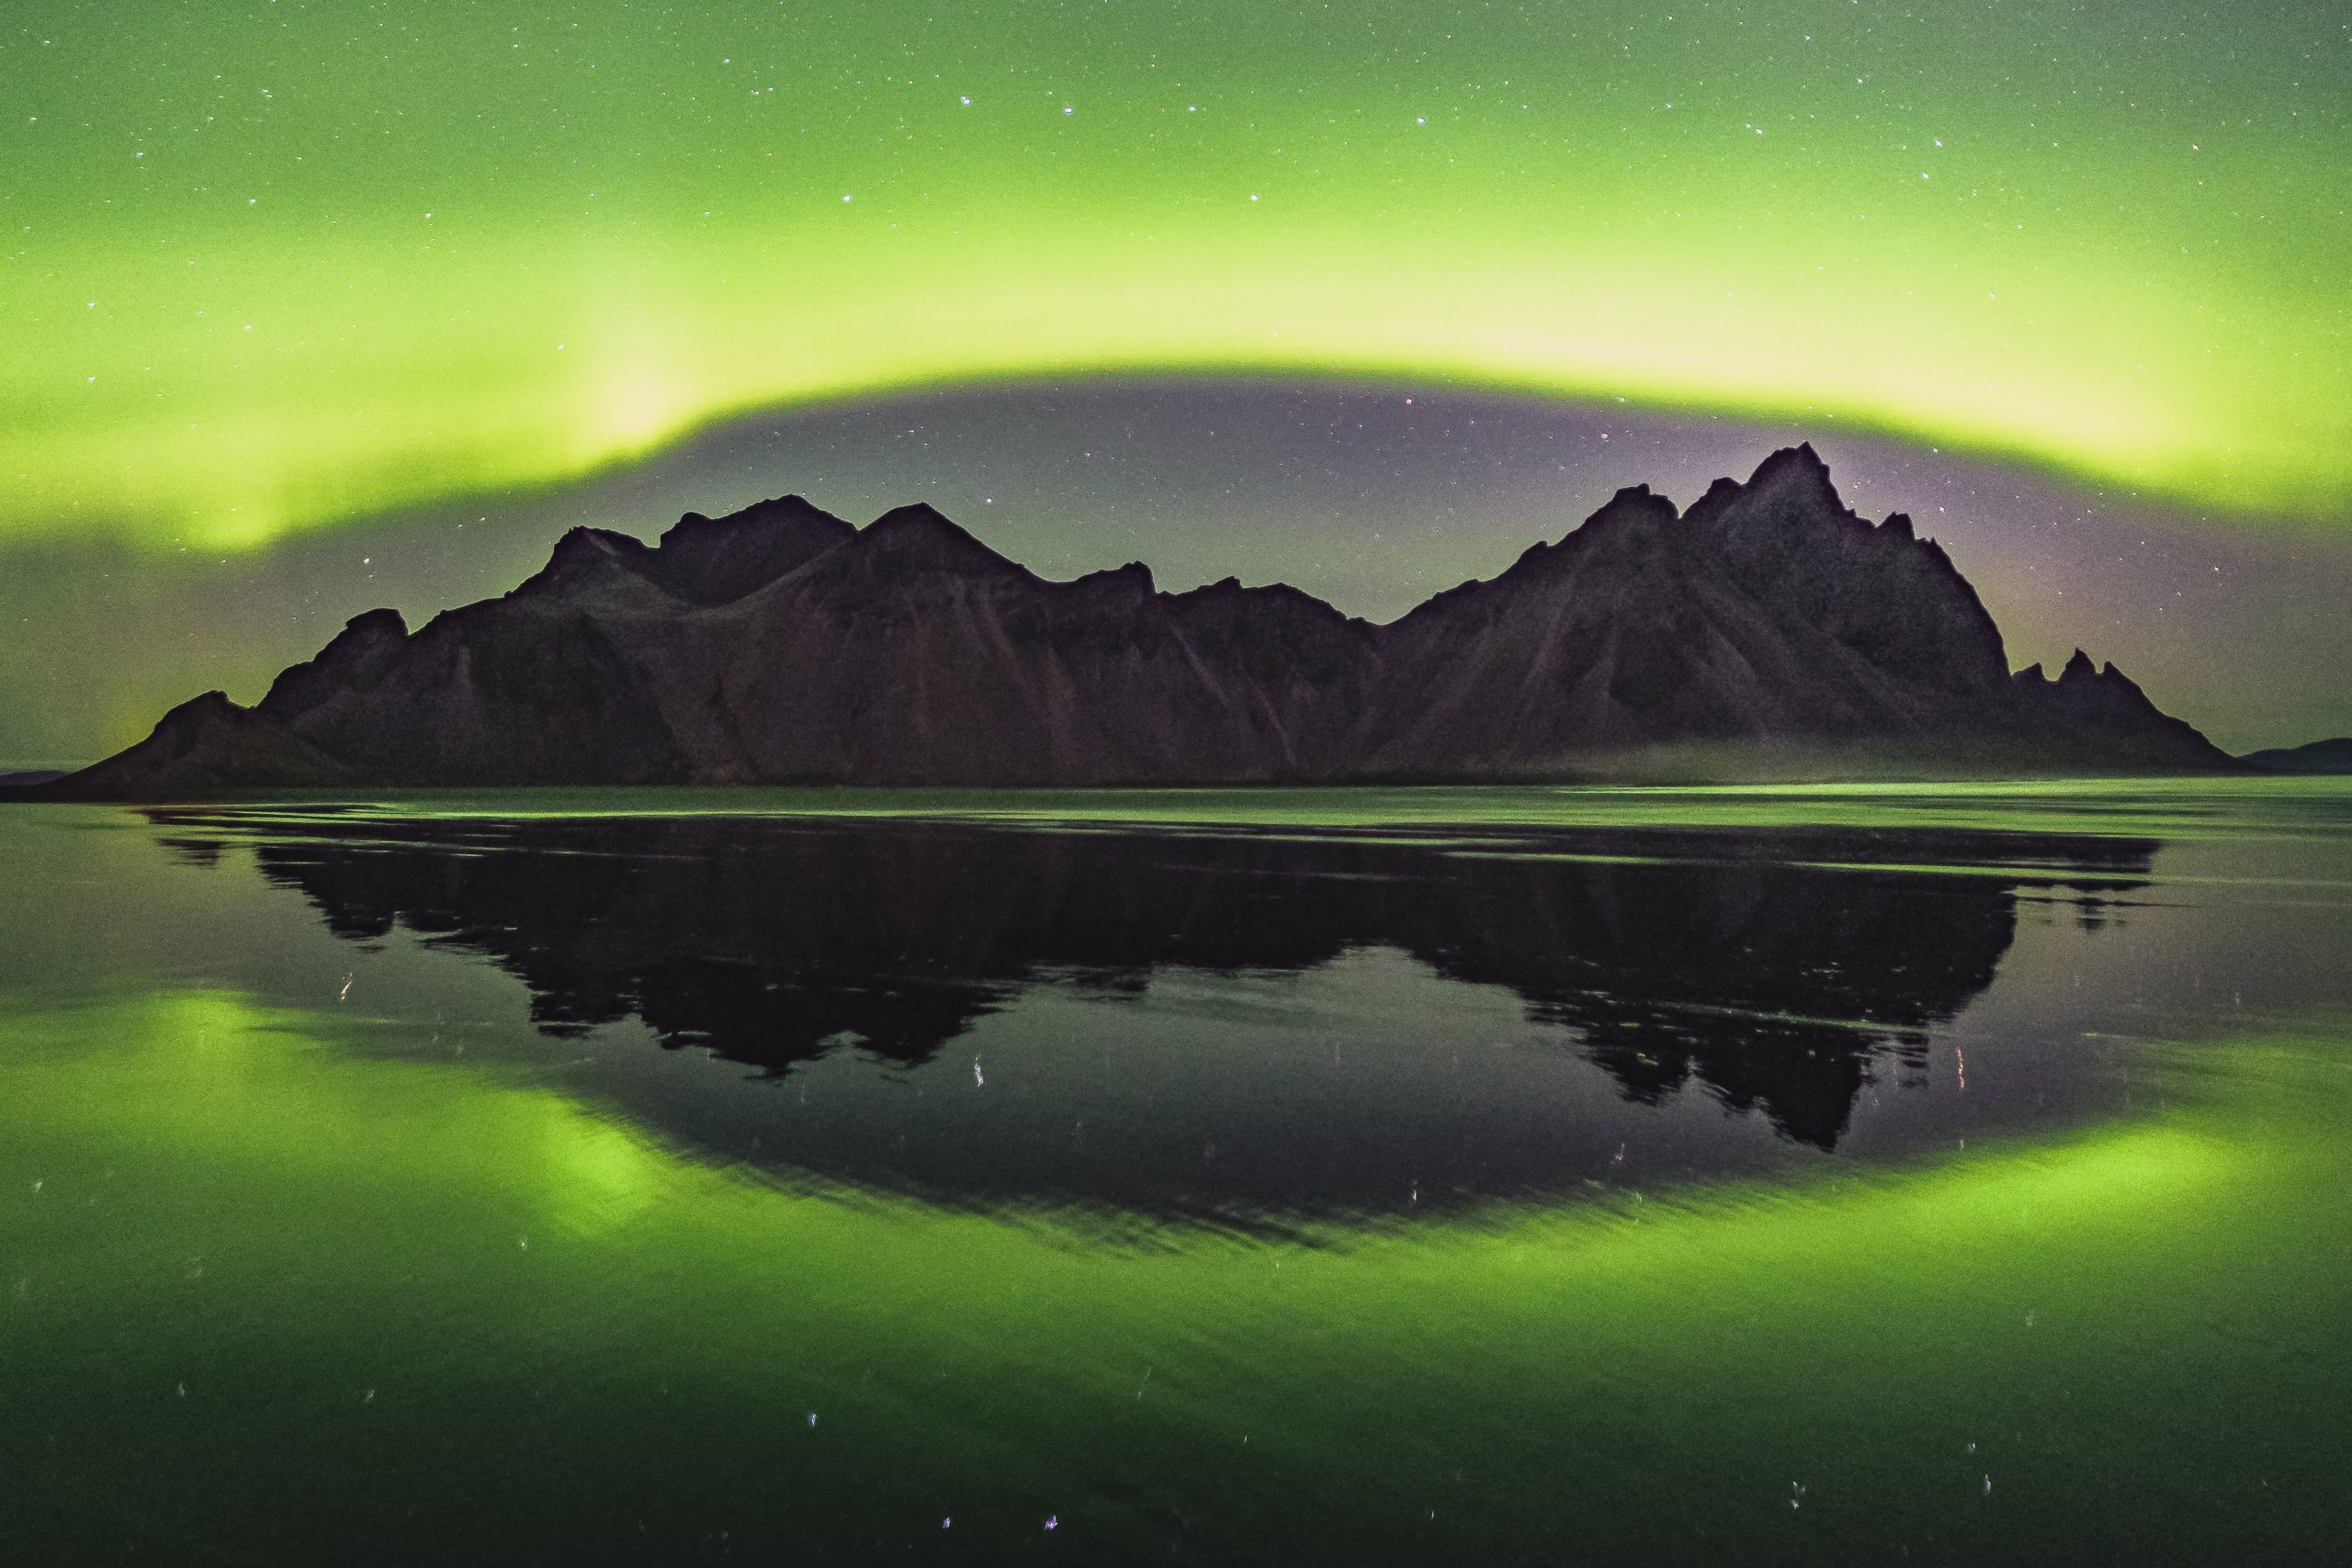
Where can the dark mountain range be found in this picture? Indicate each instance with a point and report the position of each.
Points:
(2319, 757)
(1769, 629)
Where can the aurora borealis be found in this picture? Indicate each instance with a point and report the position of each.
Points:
(1792, 1171)
(287, 278)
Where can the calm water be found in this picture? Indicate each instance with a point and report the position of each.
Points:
(1513, 1175)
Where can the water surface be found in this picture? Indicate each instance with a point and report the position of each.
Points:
(1914, 1173)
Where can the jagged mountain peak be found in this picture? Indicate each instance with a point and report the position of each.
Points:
(375, 623)
(1797, 464)
(919, 537)
(584, 543)
(1634, 512)
(1635, 506)
(1134, 579)
(693, 530)
(368, 644)
(916, 518)
(1230, 596)
(584, 560)
(1790, 488)
(717, 560)
(1798, 474)
(787, 507)
(699, 560)
(781, 643)
(1790, 492)
(2080, 672)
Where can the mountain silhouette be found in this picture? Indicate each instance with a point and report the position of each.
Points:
(1766, 628)
(2319, 757)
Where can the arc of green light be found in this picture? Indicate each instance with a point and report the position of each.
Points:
(316, 278)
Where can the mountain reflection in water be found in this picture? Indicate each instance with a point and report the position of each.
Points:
(1780, 973)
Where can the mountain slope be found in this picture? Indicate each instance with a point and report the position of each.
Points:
(1769, 613)
(907, 651)
(1766, 626)
(2319, 757)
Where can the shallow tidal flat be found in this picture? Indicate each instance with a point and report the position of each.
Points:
(1844, 1175)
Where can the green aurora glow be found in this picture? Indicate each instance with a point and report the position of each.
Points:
(275, 1244)
(2013, 1284)
(273, 265)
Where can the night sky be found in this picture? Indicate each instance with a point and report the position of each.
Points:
(310, 308)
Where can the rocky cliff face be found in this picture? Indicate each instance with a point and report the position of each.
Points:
(1769, 613)
(781, 644)
(905, 651)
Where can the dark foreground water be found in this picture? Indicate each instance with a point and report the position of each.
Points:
(1517, 1176)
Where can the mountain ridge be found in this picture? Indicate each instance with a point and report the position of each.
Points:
(2317, 758)
(1767, 627)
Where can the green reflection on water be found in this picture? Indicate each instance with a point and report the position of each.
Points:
(274, 1291)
